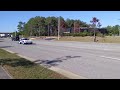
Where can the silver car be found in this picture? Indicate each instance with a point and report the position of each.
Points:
(25, 41)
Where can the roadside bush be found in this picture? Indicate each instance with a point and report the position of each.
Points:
(99, 34)
(110, 34)
(76, 34)
(67, 34)
(85, 33)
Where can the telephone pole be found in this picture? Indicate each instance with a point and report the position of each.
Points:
(15, 33)
(58, 27)
(119, 28)
(48, 30)
(74, 27)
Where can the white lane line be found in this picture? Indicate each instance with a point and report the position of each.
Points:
(81, 47)
(110, 58)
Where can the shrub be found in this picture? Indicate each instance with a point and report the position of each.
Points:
(110, 34)
(99, 34)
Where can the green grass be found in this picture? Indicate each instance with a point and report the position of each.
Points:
(107, 39)
(20, 68)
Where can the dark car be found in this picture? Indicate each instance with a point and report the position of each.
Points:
(15, 38)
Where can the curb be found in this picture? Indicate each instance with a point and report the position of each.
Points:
(7, 72)
(67, 73)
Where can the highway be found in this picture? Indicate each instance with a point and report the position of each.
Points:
(88, 59)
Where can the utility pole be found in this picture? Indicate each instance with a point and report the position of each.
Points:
(58, 27)
(94, 33)
(15, 33)
(119, 31)
(119, 28)
(74, 27)
(39, 31)
(48, 30)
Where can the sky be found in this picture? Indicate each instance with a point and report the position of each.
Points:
(9, 19)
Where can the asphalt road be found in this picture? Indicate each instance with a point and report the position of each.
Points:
(90, 60)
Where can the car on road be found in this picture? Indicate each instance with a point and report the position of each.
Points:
(25, 41)
(16, 38)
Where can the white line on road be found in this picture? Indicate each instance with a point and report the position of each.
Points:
(110, 58)
(82, 47)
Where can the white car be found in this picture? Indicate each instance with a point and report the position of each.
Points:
(25, 41)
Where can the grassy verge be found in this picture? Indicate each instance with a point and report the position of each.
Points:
(107, 39)
(21, 68)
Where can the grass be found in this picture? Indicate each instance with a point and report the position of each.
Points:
(20, 68)
(107, 39)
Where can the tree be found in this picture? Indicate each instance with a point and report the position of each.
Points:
(37, 26)
(48, 22)
(70, 23)
(109, 30)
(20, 27)
(77, 24)
(40, 24)
(51, 23)
(113, 30)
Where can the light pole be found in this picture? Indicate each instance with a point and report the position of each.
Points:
(58, 27)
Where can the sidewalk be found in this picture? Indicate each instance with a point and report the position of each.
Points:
(4, 74)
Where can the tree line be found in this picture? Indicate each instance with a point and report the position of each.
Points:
(46, 26)
(113, 30)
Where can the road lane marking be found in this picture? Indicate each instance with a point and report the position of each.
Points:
(110, 58)
(80, 47)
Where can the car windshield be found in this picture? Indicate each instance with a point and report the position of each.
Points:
(25, 39)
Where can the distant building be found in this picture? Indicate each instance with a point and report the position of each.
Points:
(5, 34)
(82, 29)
